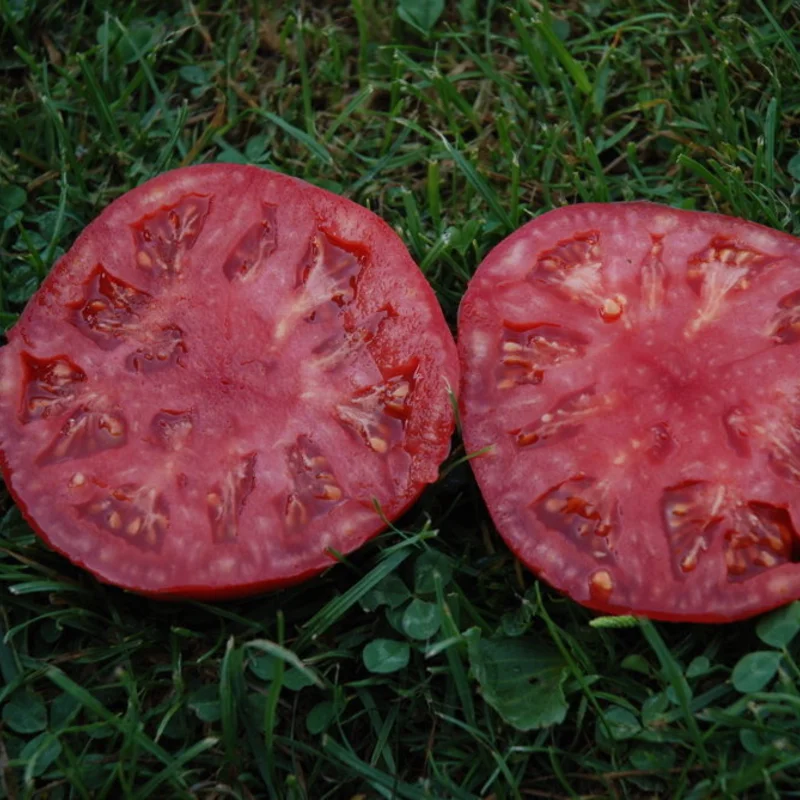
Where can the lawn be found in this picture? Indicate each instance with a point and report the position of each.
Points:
(430, 664)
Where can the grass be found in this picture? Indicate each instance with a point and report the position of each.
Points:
(456, 130)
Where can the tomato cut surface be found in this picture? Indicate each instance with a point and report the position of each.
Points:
(634, 372)
(213, 387)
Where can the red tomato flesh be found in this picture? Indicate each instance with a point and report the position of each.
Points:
(211, 389)
(634, 371)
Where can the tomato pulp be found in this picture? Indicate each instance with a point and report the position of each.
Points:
(213, 388)
(634, 371)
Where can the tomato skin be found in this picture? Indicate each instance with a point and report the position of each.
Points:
(214, 336)
(672, 495)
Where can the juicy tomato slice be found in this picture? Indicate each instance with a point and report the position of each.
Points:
(214, 387)
(634, 372)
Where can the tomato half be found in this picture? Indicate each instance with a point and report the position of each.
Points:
(211, 389)
(634, 371)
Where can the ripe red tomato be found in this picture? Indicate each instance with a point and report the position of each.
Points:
(634, 371)
(211, 389)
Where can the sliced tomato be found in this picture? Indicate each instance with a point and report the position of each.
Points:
(634, 372)
(213, 388)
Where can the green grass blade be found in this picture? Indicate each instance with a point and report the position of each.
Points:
(478, 183)
(90, 703)
(677, 680)
(339, 606)
(377, 779)
(573, 68)
(288, 657)
(170, 773)
(312, 145)
(100, 102)
(230, 693)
